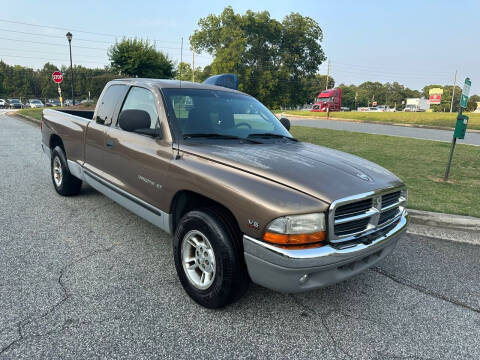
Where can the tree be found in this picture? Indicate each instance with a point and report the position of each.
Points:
(138, 58)
(184, 72)
(472, 102)
(391, 94)
(271, 58)
(48, 89)
(314, 85)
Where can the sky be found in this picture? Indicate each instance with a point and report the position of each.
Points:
(415, 43)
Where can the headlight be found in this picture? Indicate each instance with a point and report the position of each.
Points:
(404, 194)
(296, 230)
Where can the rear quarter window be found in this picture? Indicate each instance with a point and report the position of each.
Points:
(110, 99)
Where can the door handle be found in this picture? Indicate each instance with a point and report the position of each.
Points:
(109, 143)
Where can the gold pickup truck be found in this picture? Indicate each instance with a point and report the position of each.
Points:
(243, 199)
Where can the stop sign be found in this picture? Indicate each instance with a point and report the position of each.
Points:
(57, 77)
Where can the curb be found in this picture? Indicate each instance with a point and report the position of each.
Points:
(457, 222)
(26, 117)
(473, 131)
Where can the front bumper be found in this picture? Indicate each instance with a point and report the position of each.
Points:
(292, 271)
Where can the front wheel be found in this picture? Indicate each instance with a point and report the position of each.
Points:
(209, 259)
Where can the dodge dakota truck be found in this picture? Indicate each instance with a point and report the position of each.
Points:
(244, 200)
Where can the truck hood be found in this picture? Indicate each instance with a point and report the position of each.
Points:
(321, 172)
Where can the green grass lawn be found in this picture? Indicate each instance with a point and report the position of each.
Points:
(419, 163)
(34, 113)
(439, 119)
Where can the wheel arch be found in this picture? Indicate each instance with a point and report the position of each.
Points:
(56, 140)
(187, 200)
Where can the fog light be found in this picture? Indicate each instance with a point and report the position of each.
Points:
(303, 279)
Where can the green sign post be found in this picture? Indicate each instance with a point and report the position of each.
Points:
(465, 93)
(461, 126)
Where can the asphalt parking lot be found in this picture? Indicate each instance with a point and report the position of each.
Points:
(82, 277)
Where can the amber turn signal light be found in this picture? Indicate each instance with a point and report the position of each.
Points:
(294, 239)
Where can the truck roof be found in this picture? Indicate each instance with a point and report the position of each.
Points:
(168, 84)
(328, 92)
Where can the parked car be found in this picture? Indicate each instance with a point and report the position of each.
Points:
(34, 103)
(243, 199)
(53, 102)
(69, 102)
(86, 101)
(15, 104)
(367, 109)
(344, 108)
(3, 104)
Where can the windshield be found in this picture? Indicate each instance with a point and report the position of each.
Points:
(14, 101)
(328, 99)
(35, 101)
(197, 112)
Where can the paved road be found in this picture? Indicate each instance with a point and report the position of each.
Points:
(403, 131)
(82, 277)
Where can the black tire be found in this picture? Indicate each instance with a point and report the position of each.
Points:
(68, 184)
(231, 278)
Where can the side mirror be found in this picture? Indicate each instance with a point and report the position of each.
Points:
(133, 120)
(286, 123)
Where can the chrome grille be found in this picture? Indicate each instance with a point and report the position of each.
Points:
(363, 214)
(353, 209)
(389, 199)
(351, 227)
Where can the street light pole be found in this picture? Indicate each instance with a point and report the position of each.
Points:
(69, 38)
(453, 92)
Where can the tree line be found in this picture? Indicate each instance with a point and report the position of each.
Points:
(276, 61)
(394, 95)
(22, 82)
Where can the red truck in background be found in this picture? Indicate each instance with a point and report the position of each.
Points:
(328, 99)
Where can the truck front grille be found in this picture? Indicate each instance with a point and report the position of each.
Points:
(352, 209)
(356, 216)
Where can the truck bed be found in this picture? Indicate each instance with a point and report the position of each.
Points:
(87, 114)
(70, 126)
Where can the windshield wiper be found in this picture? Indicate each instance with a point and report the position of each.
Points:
(218, 136)
(272, 135)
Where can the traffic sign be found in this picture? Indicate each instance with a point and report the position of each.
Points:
(374, 103)
(465, 93)
(57, 77)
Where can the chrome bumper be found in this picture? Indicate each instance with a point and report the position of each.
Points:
(293, 271)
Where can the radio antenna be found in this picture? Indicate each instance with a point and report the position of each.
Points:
(177, 157)
(180, 66)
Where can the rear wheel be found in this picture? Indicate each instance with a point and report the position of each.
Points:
(63, 181)
(209, 259)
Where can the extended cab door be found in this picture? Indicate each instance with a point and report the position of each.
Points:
(137, 161)
(95, 141)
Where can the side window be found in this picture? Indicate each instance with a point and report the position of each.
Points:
(110, 99)
(142, 99)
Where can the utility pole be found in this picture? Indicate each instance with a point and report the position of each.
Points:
(453, 94)
(193, 65)
(328, 74)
